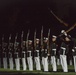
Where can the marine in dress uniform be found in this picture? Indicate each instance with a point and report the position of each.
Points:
(11, 63)
(44, 53)
(29, 55)
(24, 55)
(37, 55)
(69, 55)
(74, 53)
(64, 49)
(53, 53)
(59, 42)
(4, 49)
(16, 55)
(74, 56)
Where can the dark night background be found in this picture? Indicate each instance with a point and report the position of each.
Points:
(18, 15)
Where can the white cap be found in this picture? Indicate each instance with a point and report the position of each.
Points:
(30, 40)
(37, 39)
(54, 36)
(46, 38)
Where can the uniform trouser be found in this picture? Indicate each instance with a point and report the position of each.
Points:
(63, 59)
(5, 62)
(53, 63)
(70, 61)
(11, 64)
(58, 61)
(17, 62)
(74, 57)
(37, 61)
(45, 63)
(24, 63)
(30, 63)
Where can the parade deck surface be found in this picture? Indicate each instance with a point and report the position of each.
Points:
(21, 72)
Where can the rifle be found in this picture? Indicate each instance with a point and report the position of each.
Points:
(71, 28)
(9, 41)
(67, 31)
(42, 38)
(2, 42)
(27, 39)
(35, 39)
(15, 41)
(61, 21)
(48, 43)
(22, 39)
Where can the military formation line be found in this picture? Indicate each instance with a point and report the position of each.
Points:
(55, 50)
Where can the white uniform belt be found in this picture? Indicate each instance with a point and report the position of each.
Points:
(37, 50)
(23, 51)
(54, 49)
(63, 48)
(42, 50)
(29, 51)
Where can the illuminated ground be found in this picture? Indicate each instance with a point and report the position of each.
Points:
(27, 72)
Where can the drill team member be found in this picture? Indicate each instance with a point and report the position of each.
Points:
(5, 47)
(11, 63)
(74, 53)
(24, 55)
(63, 54)
(16, 54)
(45, 55)
(53, 53)
(29, 55)
(74, 56)
(37, 54)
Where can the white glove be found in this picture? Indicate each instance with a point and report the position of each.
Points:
(73, 50)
